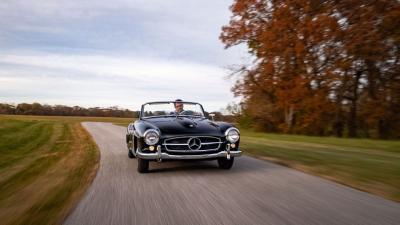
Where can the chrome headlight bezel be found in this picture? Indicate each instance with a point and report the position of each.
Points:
(151, 133)
(130, 129)
(230, 135)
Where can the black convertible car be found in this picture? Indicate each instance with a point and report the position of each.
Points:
(178, 130)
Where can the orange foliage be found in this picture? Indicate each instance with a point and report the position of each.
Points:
(321, 66)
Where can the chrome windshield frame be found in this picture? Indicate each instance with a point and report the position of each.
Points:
(169, 102)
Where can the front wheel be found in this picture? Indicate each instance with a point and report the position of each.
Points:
(130, 154)
(225, 164)
(143, 165)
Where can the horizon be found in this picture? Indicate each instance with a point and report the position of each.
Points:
(221, 110)
(99, 54)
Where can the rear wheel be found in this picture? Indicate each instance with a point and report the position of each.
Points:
(143, 165)
(225, 164)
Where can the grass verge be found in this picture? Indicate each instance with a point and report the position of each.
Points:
(369, 165)
(46, 164)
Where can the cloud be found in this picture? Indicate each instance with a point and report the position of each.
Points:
(181, 29)
(118, 52)
(116, 80)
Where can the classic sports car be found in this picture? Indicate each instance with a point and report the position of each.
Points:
(178, 130)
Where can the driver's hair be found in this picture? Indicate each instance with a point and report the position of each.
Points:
(177, 100)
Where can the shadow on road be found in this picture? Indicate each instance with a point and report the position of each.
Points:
(240, 166)
(182, 166)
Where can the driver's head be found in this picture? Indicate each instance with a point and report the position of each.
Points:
(178, 105)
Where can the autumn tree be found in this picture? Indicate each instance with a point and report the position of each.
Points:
(316, 63)
(7, 108)
(370, 58)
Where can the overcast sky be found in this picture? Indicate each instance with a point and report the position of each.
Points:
(120, 52)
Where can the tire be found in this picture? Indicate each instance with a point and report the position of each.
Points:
(225, 164)
(143, 165)
(130, 154)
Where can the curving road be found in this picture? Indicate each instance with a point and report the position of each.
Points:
(252, 192)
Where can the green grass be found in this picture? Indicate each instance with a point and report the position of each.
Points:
(365, 164)
(116, 120)
(46, 163)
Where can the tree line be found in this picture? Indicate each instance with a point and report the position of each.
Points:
(62, 110)
(321, 67)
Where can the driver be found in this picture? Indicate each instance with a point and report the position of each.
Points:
(178, 104)
(178, 107)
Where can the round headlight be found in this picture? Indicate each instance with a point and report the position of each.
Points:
(151, 137)
(131, 128)
(232, 135)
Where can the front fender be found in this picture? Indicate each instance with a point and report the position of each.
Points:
(223, 126)
(141, 126)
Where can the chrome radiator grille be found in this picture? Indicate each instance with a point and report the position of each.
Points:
(192, 144)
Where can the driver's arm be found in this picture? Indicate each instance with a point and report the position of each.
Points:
(187, 112)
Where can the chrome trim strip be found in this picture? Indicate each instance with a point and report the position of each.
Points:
(219, 142)
(205, 143)
(163, 155)
(211, 143)
(166, 102)
(174, 144)
(146, 117)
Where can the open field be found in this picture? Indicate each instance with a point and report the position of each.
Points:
(365, 164)
(46, 163)
(115, 120)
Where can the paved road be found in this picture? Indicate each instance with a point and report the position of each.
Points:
(252, 192)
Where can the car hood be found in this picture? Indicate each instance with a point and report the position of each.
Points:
(170, 126)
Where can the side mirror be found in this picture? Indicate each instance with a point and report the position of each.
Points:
(212, 115)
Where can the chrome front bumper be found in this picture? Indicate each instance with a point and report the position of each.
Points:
(158, 155)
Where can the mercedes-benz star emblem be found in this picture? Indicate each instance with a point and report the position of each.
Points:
(194, 143)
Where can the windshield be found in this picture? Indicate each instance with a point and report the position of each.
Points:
(172, 109)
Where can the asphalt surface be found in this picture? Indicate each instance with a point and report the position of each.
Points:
(252, 192)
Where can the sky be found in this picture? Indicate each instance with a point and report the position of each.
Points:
(116, 53)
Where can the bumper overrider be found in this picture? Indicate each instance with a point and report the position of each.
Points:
(158, 155)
